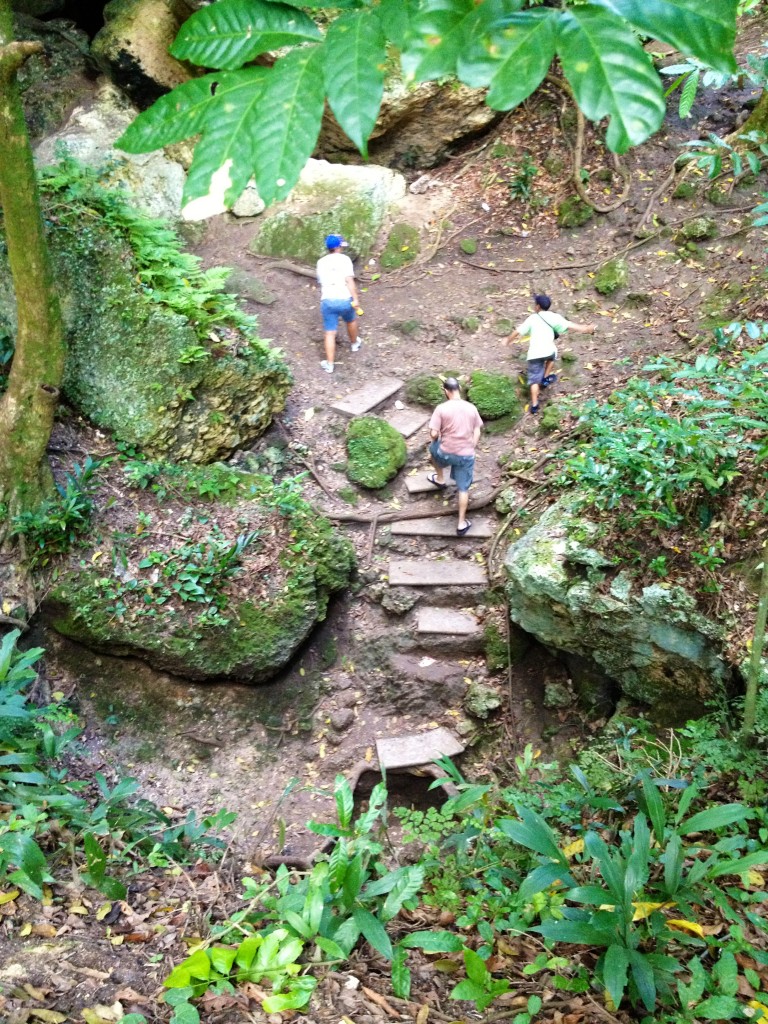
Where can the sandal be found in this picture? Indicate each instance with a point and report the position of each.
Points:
(461, 530)
(435, 482)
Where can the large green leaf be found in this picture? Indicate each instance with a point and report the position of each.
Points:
(396, 17)
(229, 33)
(699, 28)
(225, 156)
(289, 121)
(611, 75)
(615, 967)
(354, 77)
(511, 53)
(175, 116)
(715, 817)
(438, 33)
(374, 932)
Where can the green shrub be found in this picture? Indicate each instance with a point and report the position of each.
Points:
(376, 452)
(494, 394)
(52, 527)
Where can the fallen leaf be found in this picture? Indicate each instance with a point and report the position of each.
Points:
(49, 1016)
(8, 897)
(686, 926)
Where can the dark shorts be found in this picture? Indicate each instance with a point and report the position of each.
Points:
(332, 309)
(536, 369)
(462, 466)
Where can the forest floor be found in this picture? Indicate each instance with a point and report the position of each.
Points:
(412, 323)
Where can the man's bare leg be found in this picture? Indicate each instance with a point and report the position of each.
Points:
(463, 504)
(438, 471)
(330, 346)
(534, 395)
(549, 368)
(352, 331)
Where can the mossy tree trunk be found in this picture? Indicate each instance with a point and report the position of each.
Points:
(758, 119)
(27, 408)
(755, 661)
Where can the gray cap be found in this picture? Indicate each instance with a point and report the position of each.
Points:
(451, 384)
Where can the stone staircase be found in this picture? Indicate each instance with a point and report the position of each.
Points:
(448, 577)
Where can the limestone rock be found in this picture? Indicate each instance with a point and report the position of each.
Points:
(249, 286)
(51, 82)
(697, 230)
(416, 126)
(250, 203)
(653, 643)
(154, 181)
(37, 8)
(481, 699)
(133, 46)
(354, 201)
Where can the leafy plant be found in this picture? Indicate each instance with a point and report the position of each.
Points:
(264, 122)
(521, 183)
(54, 525)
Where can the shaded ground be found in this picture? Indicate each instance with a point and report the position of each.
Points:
(240, 747)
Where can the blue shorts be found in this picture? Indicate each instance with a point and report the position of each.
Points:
(536, 368)
(462, 466)
(332, 309)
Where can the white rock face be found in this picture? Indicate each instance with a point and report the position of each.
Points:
(155, 181)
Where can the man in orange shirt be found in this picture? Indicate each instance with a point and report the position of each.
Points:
(455, 429)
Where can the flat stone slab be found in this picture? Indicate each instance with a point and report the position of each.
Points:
(419, 484)
(407, 421)
(357, 403)
(451, 572)
(447, 621)
(441, 526)
(417, 748)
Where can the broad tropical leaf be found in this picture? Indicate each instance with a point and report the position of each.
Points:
(395, 18)
(700, 28)
(354, 77)
(225, 156)
(438, 34)
(289, 121)
(688, 95)
(175, 116)
(611, 75)
(229, 33)
(615, 967)
(511, 52)
(373, 931)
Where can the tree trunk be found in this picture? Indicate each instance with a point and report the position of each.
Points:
(755, 661)
(27, 408)
(758, 119)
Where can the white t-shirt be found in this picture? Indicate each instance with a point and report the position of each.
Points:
(332, 272)
(542, 328)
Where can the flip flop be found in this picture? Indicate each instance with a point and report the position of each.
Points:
(435, 482)
(461, 530)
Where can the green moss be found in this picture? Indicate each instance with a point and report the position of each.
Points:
(574, 212)
(551, 418)
(501, 151)
(494, 395)
(496, 652)
(718, 196)
(501, 425)
(376, 452)
(611, 276)
(348, 494)
(503, 327)
(427, 388)
(468, 246)
(471, 324)
(685, 190)
(697, 230)
(402, 247)
(568, 357)
(407, 326)
(719, 306)
(553, 165)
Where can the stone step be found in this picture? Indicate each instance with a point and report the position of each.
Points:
(441, 526)
(418, 483)
(423, 573)
(357, 403)
(407, 421)
(417, 748)
(447, 621)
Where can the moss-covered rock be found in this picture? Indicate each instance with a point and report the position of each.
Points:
(697, 230)
(137, 368)
(376, 452)
(551, 418)
(468, 246)
(611, 276)
(685, 190)
(427, 388)
(494, 395)
(353, 201)
(574, 212)
(651, 640)
(51, 82)
(402, 247)
(246, 626)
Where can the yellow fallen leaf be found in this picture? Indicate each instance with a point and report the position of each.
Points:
(643, 910)
(302, 672)
(369, 754)
(8, 897)
(49, 1016)
(78, 908)
(25, 929)
(321, 750)
(116, 940)
(423, 1015)
(686, 926)
(577, 846)
(99, 554)
(103, 910)
(755, 879)
(761, 1008)
(7, 606)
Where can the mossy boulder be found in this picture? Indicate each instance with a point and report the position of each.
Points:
(137, 368)
(468, 246)
(494, 394)
(685, 190)
(574, 212)
(651, 640)
(611, 276)
(697, 230)
(427, 388)
(246, 627)
(353, 201)
(376, 452)
(402, 247)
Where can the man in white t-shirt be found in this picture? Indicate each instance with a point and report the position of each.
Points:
(542, 328)
(338, 297)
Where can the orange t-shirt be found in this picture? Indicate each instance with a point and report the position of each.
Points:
(455, 422)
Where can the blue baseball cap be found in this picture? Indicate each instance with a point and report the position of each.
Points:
(334, 242)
